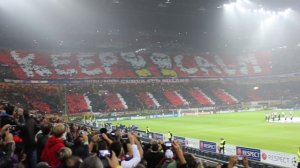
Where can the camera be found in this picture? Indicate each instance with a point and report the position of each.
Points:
(81, 133)
(240, 157)
(104, 153)
(14, 129)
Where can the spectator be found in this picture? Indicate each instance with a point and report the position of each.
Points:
(136, 150)
(63, 155)
(81, 148)
(7, 147)
(42, 138)
(153, 155)
(91, 162)
(73, 162)
(53, 145)
(7, 115)
(28, 131)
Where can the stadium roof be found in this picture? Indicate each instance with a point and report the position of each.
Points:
(197, 22)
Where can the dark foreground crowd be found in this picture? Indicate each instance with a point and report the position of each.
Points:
(41, 141)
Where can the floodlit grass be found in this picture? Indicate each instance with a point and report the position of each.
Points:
(245, 129)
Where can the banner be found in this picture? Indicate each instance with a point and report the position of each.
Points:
(137, 117)
(158, 136)
(143, 134)
(180, 139)
(230, 150)
(279, 159)
(208, 146)
(192, 143)
(252, 154)
(100, 65)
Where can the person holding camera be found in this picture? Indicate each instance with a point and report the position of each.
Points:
(80, 147)
(135, 147)
(234, 160)
(7, 147)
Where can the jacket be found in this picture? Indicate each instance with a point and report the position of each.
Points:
(49, 154)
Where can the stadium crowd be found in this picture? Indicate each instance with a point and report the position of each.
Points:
(30, 140)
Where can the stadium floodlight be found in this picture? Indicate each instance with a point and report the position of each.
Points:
(226, 6)
(262, 10)
(285, 12)
(241, 8)
(168, 1)
(288, 10)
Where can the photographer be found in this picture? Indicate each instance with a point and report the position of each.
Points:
(6, 116)
(80, 147)
(7, 147)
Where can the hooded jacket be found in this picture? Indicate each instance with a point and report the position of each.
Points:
(49, 154)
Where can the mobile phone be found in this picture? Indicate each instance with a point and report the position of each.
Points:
(168, 144)
(240, 157)
(104, 153)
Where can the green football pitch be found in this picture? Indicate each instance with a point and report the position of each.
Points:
(247, 129)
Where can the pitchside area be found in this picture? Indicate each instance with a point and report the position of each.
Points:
(246, 129)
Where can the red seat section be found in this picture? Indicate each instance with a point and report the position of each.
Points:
(148, 100)
(43, 65)
(254, 95)
(76, 103)
(114, 102)
(201, 97)
(174, 98)
(226, 97)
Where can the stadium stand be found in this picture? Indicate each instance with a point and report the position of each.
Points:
(189, 99)
(73, 145)
(201, 98)
(97, 102)
(174, 98)
(114, 102)
(43, 65)
(224, 96)
(133, 97)
(76, 103)
(148, 100)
